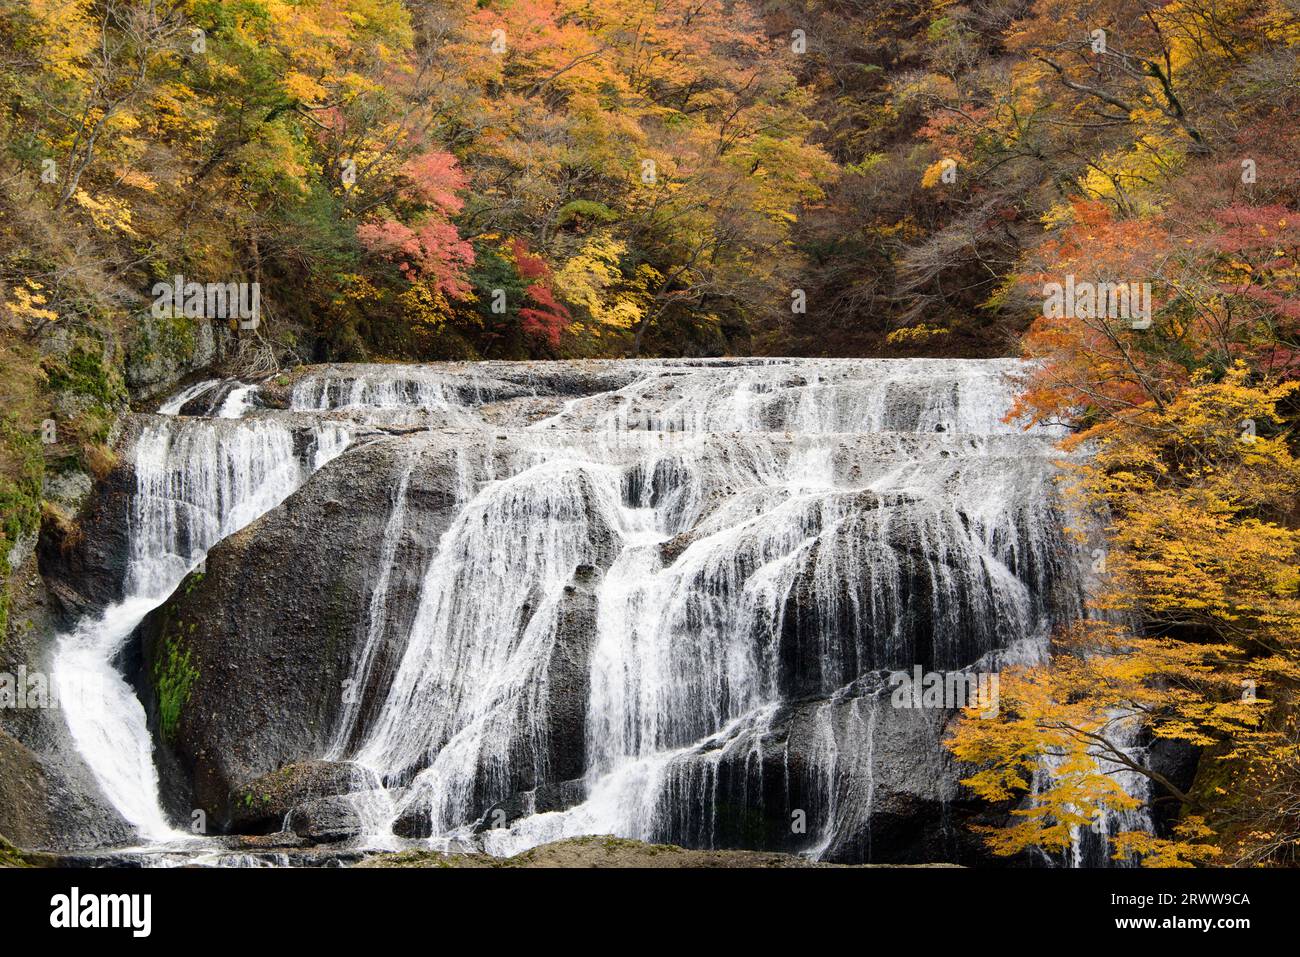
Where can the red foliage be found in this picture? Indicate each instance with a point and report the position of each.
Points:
(546, 318)
(432, 251)
(435, 179)
(1272, 230)
(531, 267)
(548, 321)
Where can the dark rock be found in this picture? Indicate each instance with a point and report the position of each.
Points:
(209, 401)
(84, 563)
(273, 626)
(263, 805)
(413, 823)
(1177, 762)
(672, 549)
(325, 820)
(568, 673)
(546, 798)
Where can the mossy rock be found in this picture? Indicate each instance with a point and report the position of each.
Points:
(11, 856)
(265, 803)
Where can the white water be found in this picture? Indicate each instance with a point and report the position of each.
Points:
(757, 534)
(238, 402)
(197, 482)
(351, 703)
(173, 405)
(825, 477)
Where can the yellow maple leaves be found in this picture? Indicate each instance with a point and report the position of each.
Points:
(107, 212)
(593, 280)
(1197, 494)
(28, 303)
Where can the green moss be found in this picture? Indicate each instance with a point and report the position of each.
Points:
(279, 782)
(174, 676)
(11, 856)
(99, 394)
(83, 373)
(20, 498)
(170, 337)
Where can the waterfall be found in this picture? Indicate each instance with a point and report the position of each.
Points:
(197, 481)
(238, 402)
(754, 533)
(173, 405)
(377, 622)
(664, 600)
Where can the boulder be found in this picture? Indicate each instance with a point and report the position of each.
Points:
(258, 646)
(263, 805)
(325, 820)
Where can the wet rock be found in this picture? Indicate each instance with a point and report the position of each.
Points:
(672, 549)
(852, 777)
(209, 401)
(271, 628)
(263, 842)
(265, 803)
(568, 679)
(83, 561)
(547, 797)
(414, 823)
(48, 797)
(325, 820)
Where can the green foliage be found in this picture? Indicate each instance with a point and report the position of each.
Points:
(174, 676)
(83, 373)
(20, 498)
(580, 208)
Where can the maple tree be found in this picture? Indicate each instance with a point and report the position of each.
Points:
(1203, 552)
(1189, 420)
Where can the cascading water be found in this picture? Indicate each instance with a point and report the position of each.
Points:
(756, 534)
(665, 601)
(197, 481)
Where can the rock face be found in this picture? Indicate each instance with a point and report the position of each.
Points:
(272, 623)
(165, 350)
(657, 599)
(48, 797)
(84, 570)
(265, 803)
(326, 820)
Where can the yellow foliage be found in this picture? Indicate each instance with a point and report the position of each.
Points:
(108, 213)
(933, 174)
(593, 280)
(28, 304)
(304, 88)
(1198, 495)
(915, 335)
(1128, 178)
